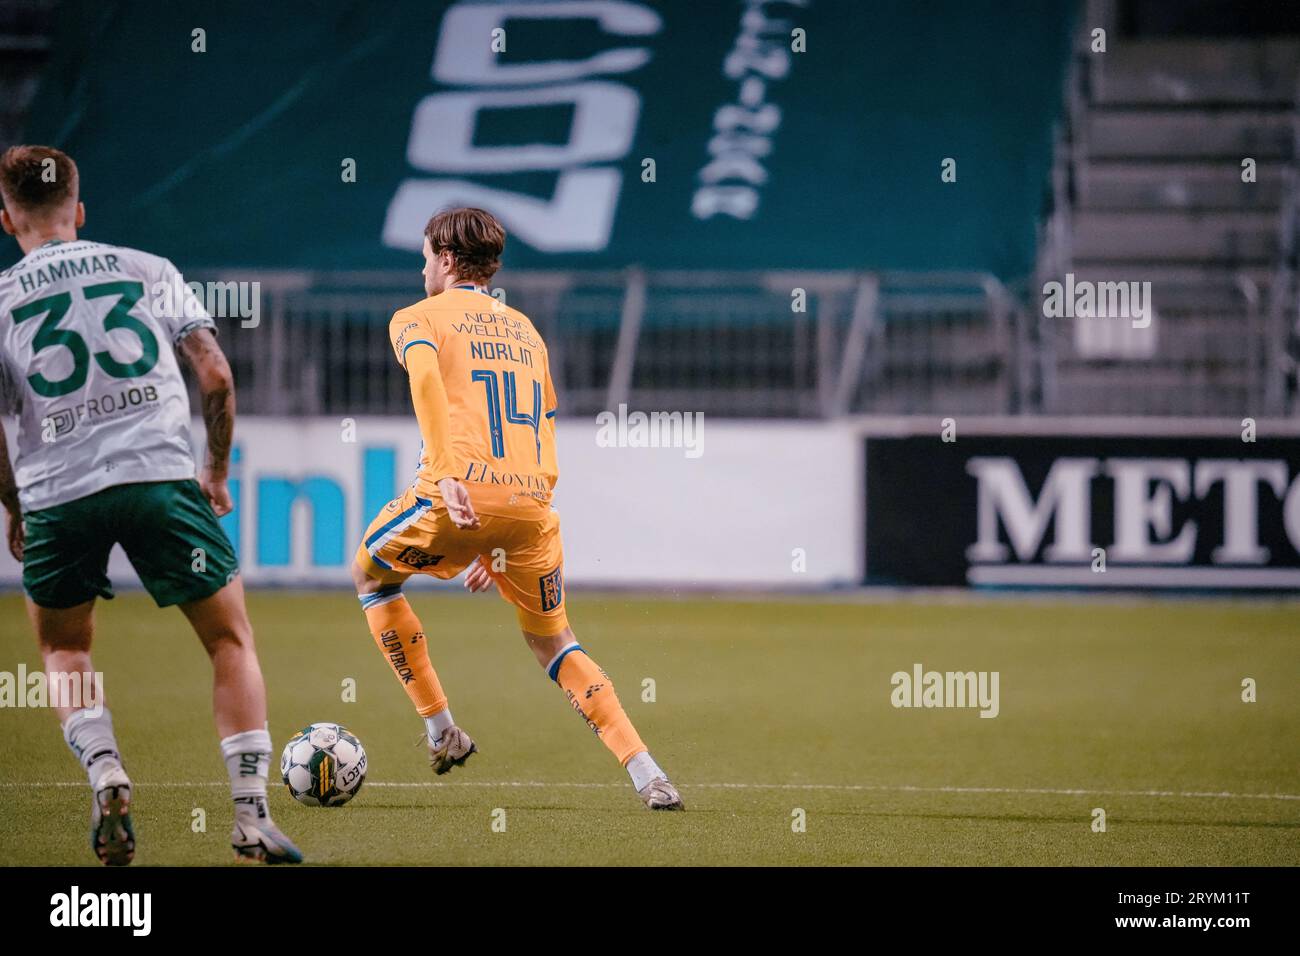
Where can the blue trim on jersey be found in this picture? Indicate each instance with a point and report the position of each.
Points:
(551, 413)
(554, 672)
(384, 529)
(471, 288)
(417, 342)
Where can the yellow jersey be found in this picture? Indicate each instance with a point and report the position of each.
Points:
(485, 402)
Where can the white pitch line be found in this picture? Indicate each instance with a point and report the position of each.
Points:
(843, 787)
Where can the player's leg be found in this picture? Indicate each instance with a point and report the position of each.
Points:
(238, 690)
(183, 557)
(65, 636)
(591, 693)
(533, 581)
(396, 546)
(65, 566)
(239, 709)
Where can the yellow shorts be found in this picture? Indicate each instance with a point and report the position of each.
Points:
(415, 535)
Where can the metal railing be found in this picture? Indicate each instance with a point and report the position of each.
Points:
(751, 344)
(1281, 345)
(770, 344)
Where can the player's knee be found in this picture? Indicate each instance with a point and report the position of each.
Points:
(68, 630)
(65, 641)
(364, 582)
(232, 636)
(66, 661)
(547, 648)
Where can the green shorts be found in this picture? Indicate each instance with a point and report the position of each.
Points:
(167, 529)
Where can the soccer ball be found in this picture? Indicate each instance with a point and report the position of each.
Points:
(323, 765)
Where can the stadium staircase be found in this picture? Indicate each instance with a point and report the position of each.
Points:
(1149, 186)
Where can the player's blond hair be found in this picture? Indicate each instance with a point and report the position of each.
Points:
(37, 179)
(474, 237)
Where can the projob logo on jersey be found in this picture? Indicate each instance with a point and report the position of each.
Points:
(76, 909)
(98, 408)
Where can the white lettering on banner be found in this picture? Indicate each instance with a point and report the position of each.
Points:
(460, 61)
(577, 218)
(1145, 492)
(604, 122)
(759, 58)
(579, 215)
(1003, 494)
(1241, 505)
(1140, 509)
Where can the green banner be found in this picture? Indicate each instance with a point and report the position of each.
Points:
(603, 132)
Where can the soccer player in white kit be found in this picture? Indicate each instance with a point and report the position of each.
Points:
(89, 339)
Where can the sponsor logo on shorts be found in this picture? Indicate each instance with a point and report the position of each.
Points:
(415, 558)
(552, 590)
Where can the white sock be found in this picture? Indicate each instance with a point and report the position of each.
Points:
(248, 758)
(438, 724)
(642, 769)
(91, 740)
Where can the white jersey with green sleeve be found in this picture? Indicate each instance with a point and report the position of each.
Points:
(87, 363)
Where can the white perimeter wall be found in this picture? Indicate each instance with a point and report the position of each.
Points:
(733, 516)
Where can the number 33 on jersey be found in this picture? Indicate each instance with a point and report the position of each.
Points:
(87, 332)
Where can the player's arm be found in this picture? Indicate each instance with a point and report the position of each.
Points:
(217, 388)
(9, 498)
(432, 411)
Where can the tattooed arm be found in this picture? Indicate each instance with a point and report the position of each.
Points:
(217, 386)
(9, 498)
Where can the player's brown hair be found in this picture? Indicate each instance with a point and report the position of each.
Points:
(37, 179)
(474, 237)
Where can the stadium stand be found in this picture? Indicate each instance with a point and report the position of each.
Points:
(922, 306)
(1152, 184)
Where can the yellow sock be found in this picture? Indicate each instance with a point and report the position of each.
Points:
(400, 637)
(591, 693)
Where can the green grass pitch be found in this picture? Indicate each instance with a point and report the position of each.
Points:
(762, 708)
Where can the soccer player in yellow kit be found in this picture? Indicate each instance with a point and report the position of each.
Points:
(482, 392)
